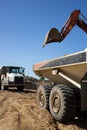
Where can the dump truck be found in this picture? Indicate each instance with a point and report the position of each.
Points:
(67, 96)
(12, 76)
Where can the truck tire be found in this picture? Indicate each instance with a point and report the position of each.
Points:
(43, 93)
(62, 103)
(20, 88)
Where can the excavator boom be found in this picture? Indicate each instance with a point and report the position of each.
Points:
(55, 36)
(69, 24)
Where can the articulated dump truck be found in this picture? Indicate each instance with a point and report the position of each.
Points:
(67, 96)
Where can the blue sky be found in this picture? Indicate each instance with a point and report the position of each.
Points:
(24, 24)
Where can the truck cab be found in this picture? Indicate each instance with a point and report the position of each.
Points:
(12, 76)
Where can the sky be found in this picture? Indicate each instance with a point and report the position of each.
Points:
(24, 24)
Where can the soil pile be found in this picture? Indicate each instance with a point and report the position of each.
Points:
(19, 111)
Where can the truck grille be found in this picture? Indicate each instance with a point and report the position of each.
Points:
(19, 80)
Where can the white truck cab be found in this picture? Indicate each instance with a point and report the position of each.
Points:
(12, 76)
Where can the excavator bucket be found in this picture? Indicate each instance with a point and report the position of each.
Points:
(52, 36)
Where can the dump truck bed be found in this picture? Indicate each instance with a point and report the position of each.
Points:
(73, 65)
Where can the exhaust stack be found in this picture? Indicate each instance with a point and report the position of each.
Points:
(52, 36)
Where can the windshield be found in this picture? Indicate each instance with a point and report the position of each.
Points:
(19, 70)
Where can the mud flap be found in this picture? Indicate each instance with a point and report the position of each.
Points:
(52, 36)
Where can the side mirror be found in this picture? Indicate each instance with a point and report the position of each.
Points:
(52, 36)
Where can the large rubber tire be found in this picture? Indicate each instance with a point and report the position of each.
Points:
(62, 103)
(20, 88)
(43, 93)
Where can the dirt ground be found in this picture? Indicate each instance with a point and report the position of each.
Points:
(19, 111)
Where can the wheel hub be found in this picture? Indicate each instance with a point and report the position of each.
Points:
(56, 104)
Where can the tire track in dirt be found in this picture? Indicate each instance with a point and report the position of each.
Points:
(19, 111)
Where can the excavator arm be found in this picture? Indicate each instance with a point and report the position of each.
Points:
(55, 36)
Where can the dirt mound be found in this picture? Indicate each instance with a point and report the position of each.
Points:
(19, 111)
